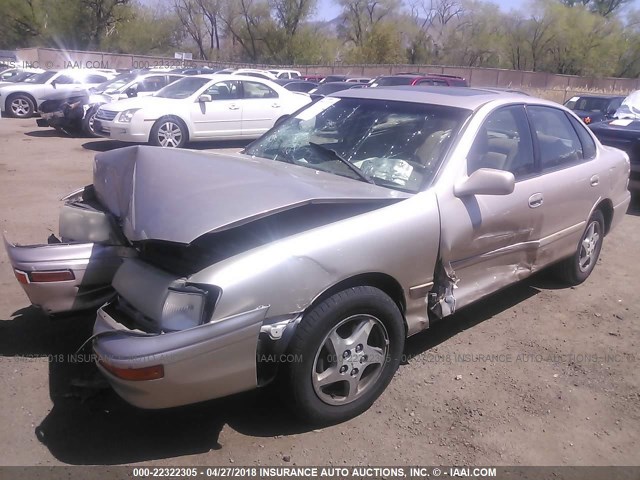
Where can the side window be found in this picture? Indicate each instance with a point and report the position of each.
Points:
(558, 141)
(95, 79)
(614, 105)
(152, 84)
(433, 82)
(64, 80)
(173, 78)
(504, 143)
(258, 90)
(588, 145)
(223, 90)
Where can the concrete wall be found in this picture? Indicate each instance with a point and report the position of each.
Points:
(477, 77)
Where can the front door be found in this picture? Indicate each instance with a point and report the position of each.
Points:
(490, 241)
(222, 116)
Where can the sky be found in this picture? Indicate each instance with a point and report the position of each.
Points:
(329, 9)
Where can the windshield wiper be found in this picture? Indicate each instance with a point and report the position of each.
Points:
(339, 157)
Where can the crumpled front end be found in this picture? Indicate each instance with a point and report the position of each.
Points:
(74, 272)
(158, 348)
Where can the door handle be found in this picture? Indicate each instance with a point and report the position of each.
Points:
(595, 180)
(275, 105)
(536, 200)
(233, 106)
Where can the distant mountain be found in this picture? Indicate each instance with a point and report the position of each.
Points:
(327, 27)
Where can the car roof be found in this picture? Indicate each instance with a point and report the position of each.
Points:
(458, 97)
(606, 96)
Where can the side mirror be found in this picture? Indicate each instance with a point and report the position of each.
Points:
(54, 83)
(486, 181)
(132, 91)
(205, 98)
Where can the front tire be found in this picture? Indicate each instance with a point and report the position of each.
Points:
(88, 122)
(344, 354)
(168, 132)
(577, 268)
(20, 106)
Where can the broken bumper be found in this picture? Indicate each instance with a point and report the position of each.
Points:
(188, 366)
(63, 277)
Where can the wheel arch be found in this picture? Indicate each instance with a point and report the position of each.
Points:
(384, 282)
(26, 94)
(606, 207)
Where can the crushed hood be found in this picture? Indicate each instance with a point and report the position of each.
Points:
(178, 195)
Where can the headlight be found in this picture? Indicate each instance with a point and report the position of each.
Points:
(183, 308)
(127, 115)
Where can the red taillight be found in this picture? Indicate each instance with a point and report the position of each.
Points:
(22, 277)
(134, 374)
(51, 276)
(587, 120)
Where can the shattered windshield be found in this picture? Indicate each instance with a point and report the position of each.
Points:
(394, 144)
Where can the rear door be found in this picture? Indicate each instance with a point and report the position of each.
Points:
(261, 107)
(572, 179)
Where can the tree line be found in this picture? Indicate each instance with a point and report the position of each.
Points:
(578, 37)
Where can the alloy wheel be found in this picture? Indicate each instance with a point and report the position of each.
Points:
(20, 107)
(169, 134)
(350, 359)
(589, 247)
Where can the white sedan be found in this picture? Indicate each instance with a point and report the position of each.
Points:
(197, 108)
(23, 99)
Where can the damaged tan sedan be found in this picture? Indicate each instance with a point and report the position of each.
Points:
(312, 255)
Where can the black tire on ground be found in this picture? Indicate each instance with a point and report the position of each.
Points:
(170, 132)
(343, 355)
(88, 122)
(577, 268)
(20, 105)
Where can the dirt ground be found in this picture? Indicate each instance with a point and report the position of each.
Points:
(535, 375)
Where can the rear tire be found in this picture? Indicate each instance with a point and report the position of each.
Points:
(577, 268)
(343, 355)
(169, 132)
(20, 105)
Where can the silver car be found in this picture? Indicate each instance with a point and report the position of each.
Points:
(312, 255)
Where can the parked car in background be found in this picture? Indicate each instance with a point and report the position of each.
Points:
(313, 78)
(16, 75)
(334, 78)
(623, 132)
(297, 85)
(252, 72)
(285, 74)
(594, 108)
(324, 89)
(23, 99)
(312, 255)
(358, 80)
(76, 111)
(430, 80)
(194, 71)
(197, 108)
